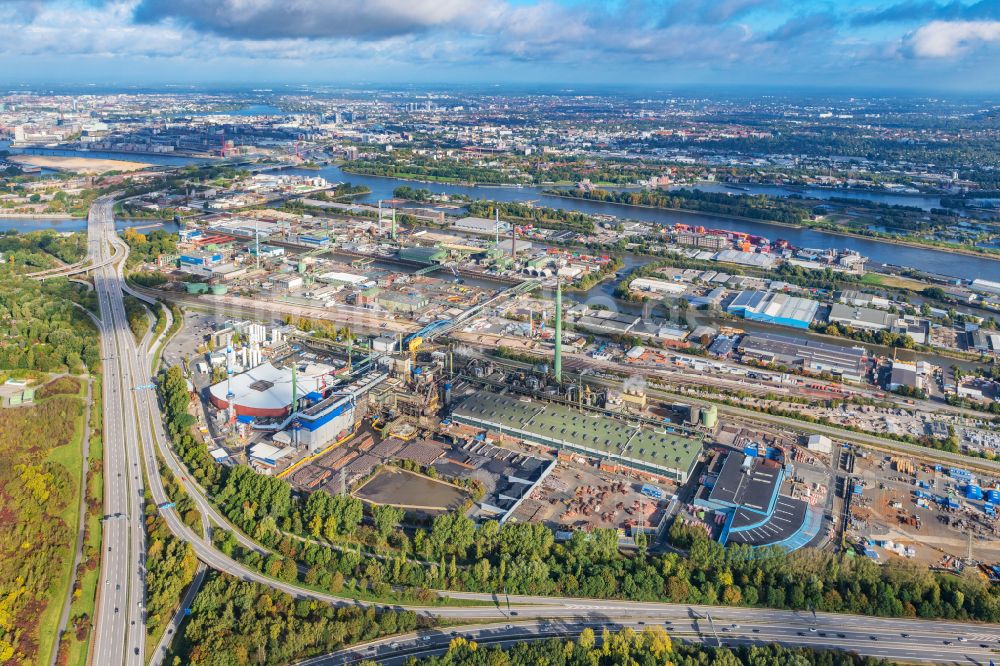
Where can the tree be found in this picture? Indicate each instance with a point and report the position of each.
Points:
(386, 519)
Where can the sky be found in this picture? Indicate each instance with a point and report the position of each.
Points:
(946, 45)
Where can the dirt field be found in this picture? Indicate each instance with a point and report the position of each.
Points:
(410, 491)
(77, 164)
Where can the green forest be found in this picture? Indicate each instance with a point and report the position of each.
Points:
(148, 247)
(540, 216)
(416, 167)
(651, 647)
(42, 329)
(237, 622)
(38, 250)
(755, 206)
(39, 486)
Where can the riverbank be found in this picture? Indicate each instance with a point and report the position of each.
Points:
(78, 165)
(40, 216)
(932, 261)
(788, 225)
(442, 180)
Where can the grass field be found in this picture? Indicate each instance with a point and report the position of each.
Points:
(894, 281)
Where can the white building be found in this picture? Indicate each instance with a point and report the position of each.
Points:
(820, 444)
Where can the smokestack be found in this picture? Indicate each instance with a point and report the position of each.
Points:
(295, 397)
(513, 241)
(557, 364)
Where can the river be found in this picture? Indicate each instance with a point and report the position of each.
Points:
(24, 224)
(881, 252)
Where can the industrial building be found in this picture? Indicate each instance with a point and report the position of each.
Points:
(866, 319)
(267, 390)
(754, 259)
(587, 433)
(805, 354)
(400, 302)
(774, 308)
(657, 286)
(481, 225)
(423, 255)
(743, 488)
(327, 417)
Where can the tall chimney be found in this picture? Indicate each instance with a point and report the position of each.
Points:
(557, 364)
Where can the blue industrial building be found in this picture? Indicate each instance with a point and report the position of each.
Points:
(774, 308)
(743, 489)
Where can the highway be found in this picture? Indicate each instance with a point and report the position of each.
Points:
(134, 434)
(119, 632)
(394, 651)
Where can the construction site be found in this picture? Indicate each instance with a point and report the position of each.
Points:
(939, 516)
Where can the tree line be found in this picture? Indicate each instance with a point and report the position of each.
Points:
(238, 622)
(754, 206)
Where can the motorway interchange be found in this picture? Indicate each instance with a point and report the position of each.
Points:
(134, 435)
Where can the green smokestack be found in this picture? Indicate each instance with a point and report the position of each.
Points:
(295, 395)
(557, 364)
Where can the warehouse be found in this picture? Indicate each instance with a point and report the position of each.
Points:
(395, 301)
(608, 322)
(657, 286)
(754, 259)
(774, 308)
(481, 225)
(865, 319)
(802, 353)
(588, 433)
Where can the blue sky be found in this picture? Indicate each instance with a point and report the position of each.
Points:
(896, 44)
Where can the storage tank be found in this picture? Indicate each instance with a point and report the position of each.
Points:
(197, 287)
(219, 289)
(710, 416)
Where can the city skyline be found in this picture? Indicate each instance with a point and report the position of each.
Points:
(910, 44)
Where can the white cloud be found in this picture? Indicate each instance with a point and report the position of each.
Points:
(947, 39)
